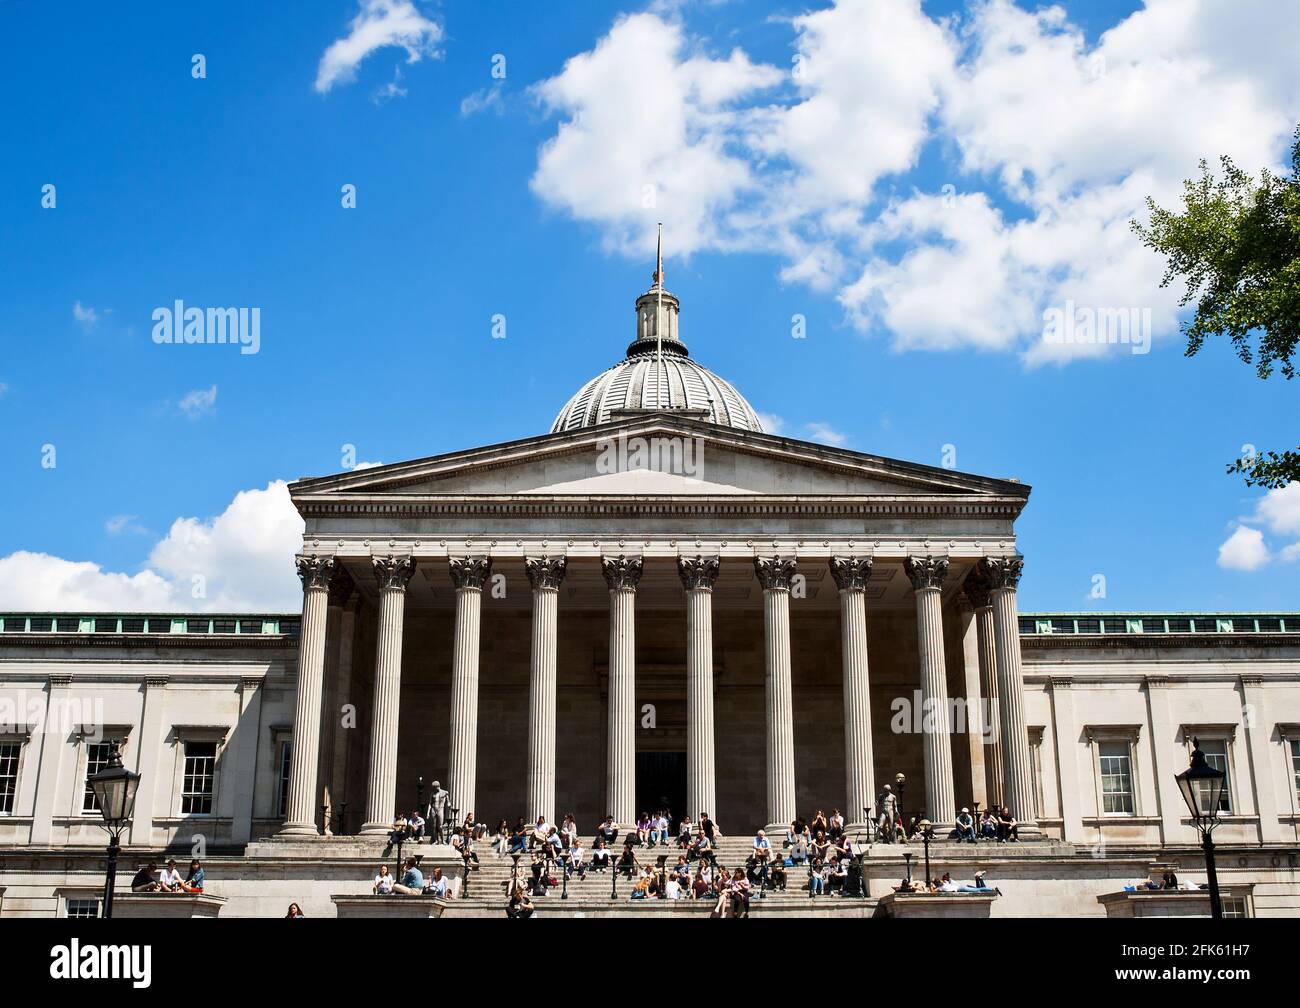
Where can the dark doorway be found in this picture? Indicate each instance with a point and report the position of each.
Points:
(661, 784)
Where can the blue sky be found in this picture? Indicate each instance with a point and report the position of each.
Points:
(821, 195)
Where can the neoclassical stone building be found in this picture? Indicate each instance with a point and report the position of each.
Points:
(654, 605)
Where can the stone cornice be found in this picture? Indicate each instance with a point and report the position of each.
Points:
(631, 505)
(153, 640)
(1138, 641)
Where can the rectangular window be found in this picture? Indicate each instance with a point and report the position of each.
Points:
(133, 624)
(8, 776)
(1116, 777)
(286, 752)
(97, 754)
(1216, 754)
(160, 624)
(1234, 906)
(1295, 766)
(1089, 626)
(83, 907)
(200, 770)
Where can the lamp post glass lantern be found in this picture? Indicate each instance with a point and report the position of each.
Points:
(115, 788)
(1202, 789)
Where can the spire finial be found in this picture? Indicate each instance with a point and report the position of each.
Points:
(659, 259)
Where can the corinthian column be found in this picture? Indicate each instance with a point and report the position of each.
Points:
(1003, 575)
(775, 574)
(927, 575)
(851, 575)
(978, 593)
(393, 573)
(698, 575)
(317, 573)
(622, 574)
(545, 575)
(469, 574)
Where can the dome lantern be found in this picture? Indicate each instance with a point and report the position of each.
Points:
(657, 375)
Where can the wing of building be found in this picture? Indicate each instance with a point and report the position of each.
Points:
(656, 606)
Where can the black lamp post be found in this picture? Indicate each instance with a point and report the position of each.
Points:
(926, 829)
(900, 782)
(975, 820)
(115, 789)
(564, 869)
(1202, 786)
(907, 860)
(419, 797)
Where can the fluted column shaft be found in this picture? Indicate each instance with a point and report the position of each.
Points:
(698, 575)
(469, 574)
(393, 574)
(776, 574)
(622, 574)
(300, 808)
(990, 713)
(1017, 770)
(545, 575)
(851, 576)
(927, 575)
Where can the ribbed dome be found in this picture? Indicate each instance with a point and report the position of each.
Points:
(657, 374)
(646, 381)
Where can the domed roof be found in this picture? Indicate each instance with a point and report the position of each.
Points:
(657, 375)
(649, 382)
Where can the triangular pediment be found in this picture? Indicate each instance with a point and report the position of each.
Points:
(657, 455)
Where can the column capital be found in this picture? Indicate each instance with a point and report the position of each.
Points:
(470, 571)
(622, 573)
(775, 573)
(545, 571)
(698, 571)
(1003, 572)
(851, 573)
(926, 572)
(978, 589)
(315, 571)
(393, 571)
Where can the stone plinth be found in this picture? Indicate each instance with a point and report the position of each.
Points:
(935, 905)
(1157, 903)
(135, 905)
(396, 907)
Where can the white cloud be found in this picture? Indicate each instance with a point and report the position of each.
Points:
(239, 561)
(1052, 142)
(366, 465)
(85, 315)
(825, 433)
(124, 523)
(379, 24)
(1244, 550)
(772, 424)
(3, 388)
(483, 100)
(198, 403)
(647, 135)
(1279, 509)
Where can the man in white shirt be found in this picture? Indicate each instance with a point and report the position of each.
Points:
(762, 846)
(170, 878)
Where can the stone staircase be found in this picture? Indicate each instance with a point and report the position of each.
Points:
(489, 880)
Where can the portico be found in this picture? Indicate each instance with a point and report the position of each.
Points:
(522, 594)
